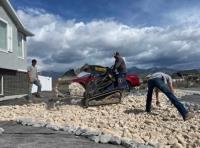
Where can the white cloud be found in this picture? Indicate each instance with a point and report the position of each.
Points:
(61, 44)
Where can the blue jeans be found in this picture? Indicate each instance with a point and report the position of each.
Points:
(159, 83)
(121, 81)
(38, 84)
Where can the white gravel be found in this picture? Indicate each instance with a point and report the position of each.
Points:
(163, 128)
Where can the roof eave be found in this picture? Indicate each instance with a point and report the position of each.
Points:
(14, 16)
(26, 32)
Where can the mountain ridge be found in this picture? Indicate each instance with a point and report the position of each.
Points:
(134, 70)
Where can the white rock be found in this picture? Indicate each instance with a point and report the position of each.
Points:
(177, 145)
(1, 130)
(89, 132)
(53, 127)
(115, 140)
(159, 145)
(96, 139)
(180, 139)
(104, 113)
(91, 109)
(128, 143)
(196, 143)
(105, 138)
(147, 121)
(126, 133)
(172, 140)
(25, 121)
(127, 119)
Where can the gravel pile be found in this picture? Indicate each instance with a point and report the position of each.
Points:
(127, 121)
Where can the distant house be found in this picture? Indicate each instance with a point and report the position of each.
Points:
(13, 52)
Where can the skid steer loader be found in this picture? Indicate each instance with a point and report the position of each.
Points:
(101, 90)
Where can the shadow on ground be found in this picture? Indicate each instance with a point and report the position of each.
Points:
(47, 98)
(134, 111)
(139, 111)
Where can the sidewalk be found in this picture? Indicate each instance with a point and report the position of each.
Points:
(194, 97)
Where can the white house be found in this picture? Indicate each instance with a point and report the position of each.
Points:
(13, 52)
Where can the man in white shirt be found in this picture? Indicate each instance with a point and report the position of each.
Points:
(169, 85)
(33, 79)
(163, 82)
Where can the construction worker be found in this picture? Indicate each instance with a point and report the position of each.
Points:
(33, 79)
(163, 82)
(120, 68)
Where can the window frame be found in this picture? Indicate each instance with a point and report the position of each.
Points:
(2, 88)
(10, 38)
(1, 49)
(22, 42)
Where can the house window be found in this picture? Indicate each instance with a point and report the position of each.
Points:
(1, 85)
(3, 35)
(20, 45)
(6, 41)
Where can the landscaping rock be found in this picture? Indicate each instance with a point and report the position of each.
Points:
(129, 143)
(1, 130)
(25, 121)
(88, 133)
(115, 140)
(80, 131)
(95, 138)
(105, 138)
(52, 126)
(125, 120)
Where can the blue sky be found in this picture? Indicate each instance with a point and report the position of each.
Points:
(148, 33)
(130, 12)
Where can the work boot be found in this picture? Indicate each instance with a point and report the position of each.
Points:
(29, 99)
(188, 116)
(38, 95)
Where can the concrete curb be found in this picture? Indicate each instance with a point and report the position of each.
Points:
(96, 136)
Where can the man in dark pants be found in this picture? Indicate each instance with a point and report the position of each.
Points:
(163, 82)
(120, 67)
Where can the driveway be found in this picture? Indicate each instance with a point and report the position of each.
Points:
(17, 136)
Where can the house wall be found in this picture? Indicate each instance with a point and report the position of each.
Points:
(14, 82)
(10, 60)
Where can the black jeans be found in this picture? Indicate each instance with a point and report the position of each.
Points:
(120, 80)
(159, 83)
